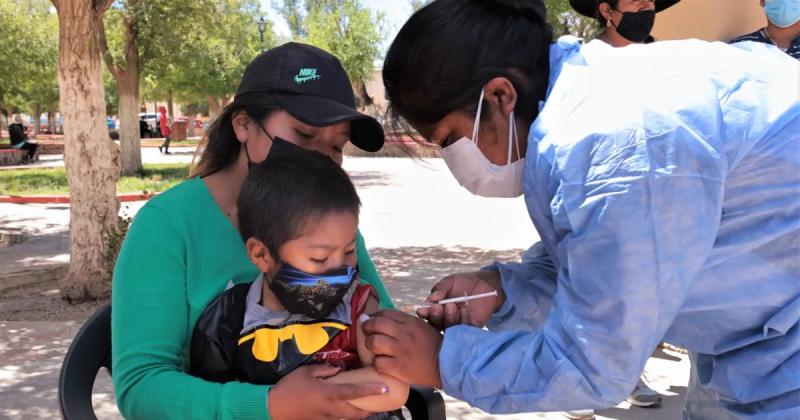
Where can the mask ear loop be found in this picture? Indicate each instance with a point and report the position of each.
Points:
(512, 133)
(516, 138)
(477, 120)
(247, 153)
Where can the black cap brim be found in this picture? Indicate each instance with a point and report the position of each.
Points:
(366, 132)
(588, 8)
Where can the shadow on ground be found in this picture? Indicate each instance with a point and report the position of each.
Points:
(31, 359)
(410, 272)
(43, 243)
(31, 352)
(673, 403)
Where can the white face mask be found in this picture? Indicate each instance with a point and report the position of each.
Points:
(476, 173)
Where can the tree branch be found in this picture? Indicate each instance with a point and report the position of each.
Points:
(131, 50)
(101, 33)
(100, 7)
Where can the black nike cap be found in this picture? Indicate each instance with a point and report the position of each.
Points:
(588, 8)
(312, 86)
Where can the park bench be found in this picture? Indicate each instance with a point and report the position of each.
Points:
(10, 156)
(91, 350)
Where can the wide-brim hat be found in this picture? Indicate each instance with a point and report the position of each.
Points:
(588, 8)
(312, 86)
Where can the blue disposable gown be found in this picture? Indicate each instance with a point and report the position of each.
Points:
(664, 181)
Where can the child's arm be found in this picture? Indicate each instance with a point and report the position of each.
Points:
(398, 390)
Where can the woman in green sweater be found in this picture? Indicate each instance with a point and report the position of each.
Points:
(183, 247)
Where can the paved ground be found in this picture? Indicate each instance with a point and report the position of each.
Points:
(419, 225)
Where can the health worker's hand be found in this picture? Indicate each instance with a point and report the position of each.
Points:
(475, 312)
(405, 347)
(303, 394)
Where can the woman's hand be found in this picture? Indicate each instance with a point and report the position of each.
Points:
(475, 312)
(405, 347)
(392, 400)
(303, 394)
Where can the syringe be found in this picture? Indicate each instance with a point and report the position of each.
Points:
(462, 299)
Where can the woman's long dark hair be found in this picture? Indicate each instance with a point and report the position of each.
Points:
(220, 148)
(449, 49)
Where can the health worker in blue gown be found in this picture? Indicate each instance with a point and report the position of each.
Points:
(664, 182)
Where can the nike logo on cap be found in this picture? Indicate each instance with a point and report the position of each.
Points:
(306, 74)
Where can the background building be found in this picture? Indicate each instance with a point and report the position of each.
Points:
(710, 20)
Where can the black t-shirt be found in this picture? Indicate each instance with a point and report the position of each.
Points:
(761, 36)
(17, 133)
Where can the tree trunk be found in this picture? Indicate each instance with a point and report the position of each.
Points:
(364, 102)
(51, 118)
(127, 79)
(190, 128)
(90, 157)
(128, 87)
(37, 115)
(214, 108)
(170, 109)
(4, 120)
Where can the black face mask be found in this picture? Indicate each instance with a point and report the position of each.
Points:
(636, 26)
(279, 147)
(312, 295)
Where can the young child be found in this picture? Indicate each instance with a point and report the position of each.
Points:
(298, 213)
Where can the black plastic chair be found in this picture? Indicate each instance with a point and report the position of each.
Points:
(91, 350)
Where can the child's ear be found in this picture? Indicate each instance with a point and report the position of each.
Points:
(260, 255)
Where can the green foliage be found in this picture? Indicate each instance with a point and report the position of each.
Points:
(195, 108)
(294, 12)
(112, 95)
(155, 25)
(418, 4)
(560, 15)
(209, 52)
(29, 54)
(349, 31)
(155, 178)
(193, 49)
(345, 28)
(116, 236)
(567, 21)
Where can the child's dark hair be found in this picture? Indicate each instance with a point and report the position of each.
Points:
(449, 49)
(285, 193)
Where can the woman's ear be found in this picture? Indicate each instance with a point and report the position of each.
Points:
(605, 11)
(241, 125)
(259, 255)
(501, 94)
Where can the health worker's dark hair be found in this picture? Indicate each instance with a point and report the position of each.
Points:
(448, 50)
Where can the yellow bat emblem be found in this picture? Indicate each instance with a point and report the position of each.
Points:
(308, 338)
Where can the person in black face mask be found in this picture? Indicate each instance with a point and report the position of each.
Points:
(625, 21)
(190, 235)
(298, 216)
